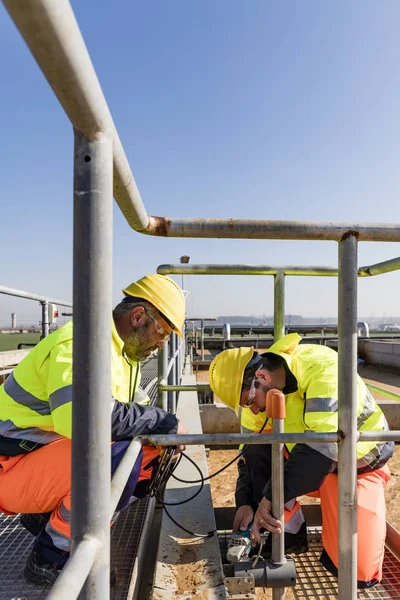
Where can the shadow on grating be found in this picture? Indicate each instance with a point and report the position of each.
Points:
(314, 582)
(16, 544)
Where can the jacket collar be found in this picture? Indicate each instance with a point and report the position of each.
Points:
(117, 341)
(285, 348)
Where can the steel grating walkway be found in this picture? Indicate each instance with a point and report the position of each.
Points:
(16, 544)
(315, 582)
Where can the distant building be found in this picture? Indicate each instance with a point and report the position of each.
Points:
(389, 327)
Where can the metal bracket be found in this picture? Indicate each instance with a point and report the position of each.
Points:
(239, 588)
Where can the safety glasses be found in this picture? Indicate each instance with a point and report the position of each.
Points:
(252, 394)
(162, 334)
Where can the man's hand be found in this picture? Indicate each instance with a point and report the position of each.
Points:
(243, 517)
(182, 430)
(264, 520)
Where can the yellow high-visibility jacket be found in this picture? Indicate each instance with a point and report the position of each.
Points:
(314, 406)
(35, 399)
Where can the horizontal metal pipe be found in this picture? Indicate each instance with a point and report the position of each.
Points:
(205, 387)
(234, 439)
(71, 579)
(245, 270)
(383, 267)
(270, 230)
(29, 296)
(379, 436)
(122, 473)
(386, 393)
(52, 34)
(196, 387)
(310, 271)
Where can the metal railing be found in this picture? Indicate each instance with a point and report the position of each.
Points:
(50, 30)
(44, 301)
(347, 367)
(279, 274)
(170, 369)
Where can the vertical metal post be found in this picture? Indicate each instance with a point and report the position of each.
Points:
(45, 319)
(172, 375)
(162, 374)
(179, 360)
(347, 373)
(278, 540)
(177, 367)
(93, 194)
(202, 339)
(279, 305)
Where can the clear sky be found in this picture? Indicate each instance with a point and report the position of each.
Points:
(258, 109)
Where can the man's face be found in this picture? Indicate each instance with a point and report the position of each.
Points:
(147, 334)
(256, 397)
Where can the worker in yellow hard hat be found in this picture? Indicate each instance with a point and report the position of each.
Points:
(36, 419)
(308, 376)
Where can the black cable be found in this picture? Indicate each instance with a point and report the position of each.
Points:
(166, 470)
(223, 468)
(214, 474)
(198, 535)
(187, 499)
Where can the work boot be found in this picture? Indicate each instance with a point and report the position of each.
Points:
(239, 545)
(37, 571)
(295, 543)
(34, 522)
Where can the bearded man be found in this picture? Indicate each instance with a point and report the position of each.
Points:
(36, 420)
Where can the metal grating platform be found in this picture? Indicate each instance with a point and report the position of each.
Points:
(16, 543)
(315, 582)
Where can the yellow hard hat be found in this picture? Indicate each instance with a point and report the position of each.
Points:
(226, 375)
(165, 295)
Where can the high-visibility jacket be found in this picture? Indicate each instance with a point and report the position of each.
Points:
(314, 406)
(35, 399)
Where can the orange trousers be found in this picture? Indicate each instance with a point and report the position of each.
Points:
(371, 521)
(40, 482)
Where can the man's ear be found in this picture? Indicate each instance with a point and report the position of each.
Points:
(264, 375)
(137, 313)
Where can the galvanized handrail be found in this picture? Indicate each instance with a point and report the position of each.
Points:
(235, 439)
(205, 387)
(271, 230)
(29, 296)
(70, 581)
(44, 301)
(123, 471)
(52, 34)
(386, 266)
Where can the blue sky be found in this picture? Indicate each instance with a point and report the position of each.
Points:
(265, 110)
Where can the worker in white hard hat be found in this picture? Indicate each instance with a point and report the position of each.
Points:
(36, 419)
(307, 374)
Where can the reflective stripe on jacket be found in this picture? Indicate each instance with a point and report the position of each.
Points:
(314, 406)
(35, 400)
